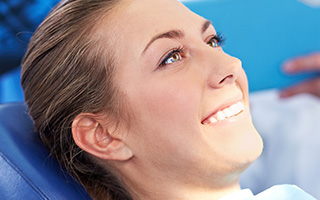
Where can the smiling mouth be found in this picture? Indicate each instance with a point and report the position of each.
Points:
(229, 112)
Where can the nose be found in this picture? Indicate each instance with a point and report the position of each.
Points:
(223, 69)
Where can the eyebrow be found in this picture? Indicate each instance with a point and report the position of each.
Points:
(205, 26)
(175, 34)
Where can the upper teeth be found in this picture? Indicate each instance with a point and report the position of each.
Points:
(226, 113)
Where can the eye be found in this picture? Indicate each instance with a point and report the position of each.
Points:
(213, 42)
(216, 41)
(172, 57)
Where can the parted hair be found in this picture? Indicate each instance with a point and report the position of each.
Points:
(68, 70)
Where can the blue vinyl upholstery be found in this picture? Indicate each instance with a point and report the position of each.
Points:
(26, 169)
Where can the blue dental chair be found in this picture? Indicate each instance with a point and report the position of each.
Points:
(26, 169)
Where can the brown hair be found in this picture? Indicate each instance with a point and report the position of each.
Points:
(67, 71)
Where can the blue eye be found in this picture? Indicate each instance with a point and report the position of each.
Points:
(172, 57)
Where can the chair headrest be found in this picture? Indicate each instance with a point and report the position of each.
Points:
(26, 169)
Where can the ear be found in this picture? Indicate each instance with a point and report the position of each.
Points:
(90, 133)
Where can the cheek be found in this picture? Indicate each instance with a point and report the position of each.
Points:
(243, 82)
(167, 115)
(169, 103)
(174, 105)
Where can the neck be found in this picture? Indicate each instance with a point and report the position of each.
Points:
(143, 186)
(180, 192)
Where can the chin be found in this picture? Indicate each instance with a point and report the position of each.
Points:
(247, 147)
(251, 148)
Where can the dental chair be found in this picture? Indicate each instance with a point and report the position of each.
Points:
(26, 169)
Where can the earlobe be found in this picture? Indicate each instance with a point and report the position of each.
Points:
(91, 135)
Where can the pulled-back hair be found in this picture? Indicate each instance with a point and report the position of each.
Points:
(66, 71)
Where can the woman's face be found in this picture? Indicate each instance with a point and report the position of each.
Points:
(188, 100)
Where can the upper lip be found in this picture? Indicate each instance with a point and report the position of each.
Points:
(222, 106)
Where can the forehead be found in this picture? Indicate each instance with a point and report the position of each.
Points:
(137, 21)
(157, 9)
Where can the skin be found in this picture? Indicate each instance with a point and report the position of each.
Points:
(299, 65)
(167, 152)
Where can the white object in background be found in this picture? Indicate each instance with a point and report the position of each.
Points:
(312, 3)
(290, 129)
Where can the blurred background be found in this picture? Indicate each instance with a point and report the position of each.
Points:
(18, 20)
(263, 34)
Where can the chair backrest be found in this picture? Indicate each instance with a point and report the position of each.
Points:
(26, 169)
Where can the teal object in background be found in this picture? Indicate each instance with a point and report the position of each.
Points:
(263, 34)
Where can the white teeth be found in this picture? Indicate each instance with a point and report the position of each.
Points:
(213, 120)
(227, 113)
(241, 105)
(220, 116)
(235, 108)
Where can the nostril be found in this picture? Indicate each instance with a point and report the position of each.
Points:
(225, 78)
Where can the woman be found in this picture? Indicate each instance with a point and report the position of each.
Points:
(137, 100)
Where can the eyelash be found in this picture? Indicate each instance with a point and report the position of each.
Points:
(218, 38)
